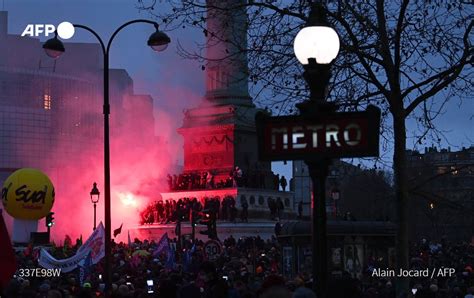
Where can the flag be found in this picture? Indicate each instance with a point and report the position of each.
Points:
(67, 241)
(36, 252)
(170, 259)
(85, 268)
(79, 242)
(7, 255)
(129, 240)
(187, 259)
(163, 245)
(67, 245)
(118, 231)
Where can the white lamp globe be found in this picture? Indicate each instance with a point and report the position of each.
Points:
(319, 42)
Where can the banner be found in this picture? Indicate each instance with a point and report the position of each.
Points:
(95, 245)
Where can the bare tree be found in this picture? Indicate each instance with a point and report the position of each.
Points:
(407, 57)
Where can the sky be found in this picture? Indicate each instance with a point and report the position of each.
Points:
(175, 83)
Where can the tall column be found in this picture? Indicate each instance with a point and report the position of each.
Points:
(226, 45)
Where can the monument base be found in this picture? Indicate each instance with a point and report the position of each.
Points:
(264, 229)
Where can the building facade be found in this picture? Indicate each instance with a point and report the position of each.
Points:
(441, 193)
(51, 110)
(361, 194)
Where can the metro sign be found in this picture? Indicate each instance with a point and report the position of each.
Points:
(337, 135)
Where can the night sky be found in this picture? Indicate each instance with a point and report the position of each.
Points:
(174, 83)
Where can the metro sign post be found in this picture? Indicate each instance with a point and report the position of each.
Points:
(316, 136)
(319, 133)
(336, 135)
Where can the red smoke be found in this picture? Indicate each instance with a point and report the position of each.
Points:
(139, 161)
(139, 164)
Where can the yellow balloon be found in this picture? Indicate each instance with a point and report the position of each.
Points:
(28, 194)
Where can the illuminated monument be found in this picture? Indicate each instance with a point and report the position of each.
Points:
(219, 134)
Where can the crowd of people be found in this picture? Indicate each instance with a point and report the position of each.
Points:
(237, 272)
(171, 211)
(431, 255)
(236, 178)
(247, 268)
(227, 209)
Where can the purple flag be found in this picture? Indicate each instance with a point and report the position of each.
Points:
(163, 245)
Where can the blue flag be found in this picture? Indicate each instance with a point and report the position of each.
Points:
(163, 245)
(170, 264)
(188, 257)
(85, 268)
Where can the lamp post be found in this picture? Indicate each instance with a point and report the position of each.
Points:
(335, 195)
(316, 46)
(54, 48)
(433, 216)
(95, 194)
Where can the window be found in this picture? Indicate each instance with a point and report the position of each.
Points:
(454, 171)
(47, 101)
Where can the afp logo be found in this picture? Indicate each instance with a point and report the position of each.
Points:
(65, 30)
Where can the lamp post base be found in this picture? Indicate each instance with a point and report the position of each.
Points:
(318, 171)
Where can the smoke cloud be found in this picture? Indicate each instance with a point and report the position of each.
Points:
(139, 164)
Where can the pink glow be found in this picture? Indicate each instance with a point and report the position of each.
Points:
(139, 162)
(128, 199)
(138, 170)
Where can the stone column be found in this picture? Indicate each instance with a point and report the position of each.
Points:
(226, 45)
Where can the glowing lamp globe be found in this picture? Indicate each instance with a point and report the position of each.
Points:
(319, 42)
(28, 194)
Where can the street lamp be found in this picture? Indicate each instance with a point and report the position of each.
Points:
(316, 46)
(54, 47)
(319, 42)
(158, 41)
(433, 214)
(95, 194)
